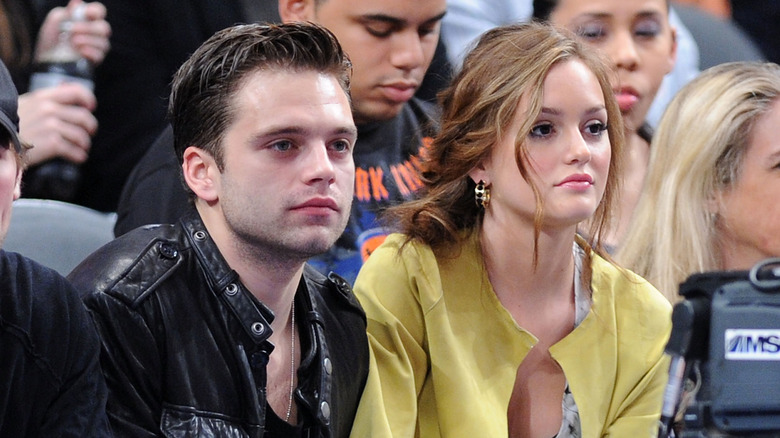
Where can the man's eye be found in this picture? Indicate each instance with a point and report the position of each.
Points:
(542, 130)
(380, 30)
(282, 145)
(427, 30)
(340, 146)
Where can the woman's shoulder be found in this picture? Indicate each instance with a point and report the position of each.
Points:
(400, 263)
(397, 248)
(413, 254)
(397, 259)
(631, 296)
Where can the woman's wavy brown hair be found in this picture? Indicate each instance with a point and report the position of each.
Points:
(509, 63)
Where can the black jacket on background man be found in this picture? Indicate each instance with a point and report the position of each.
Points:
(50, 379)
(185, 344)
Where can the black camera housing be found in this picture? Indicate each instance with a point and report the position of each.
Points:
(733, 334)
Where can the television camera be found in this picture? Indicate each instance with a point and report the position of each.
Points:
(726, 340)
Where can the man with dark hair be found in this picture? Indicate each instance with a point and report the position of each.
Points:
(215, 326)
(391, 45)
(49, 350)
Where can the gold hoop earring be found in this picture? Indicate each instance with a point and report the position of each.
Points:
(482, 194)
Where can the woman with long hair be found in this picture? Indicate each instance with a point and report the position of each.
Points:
(488, 315)
(640, 43)
(710, 200)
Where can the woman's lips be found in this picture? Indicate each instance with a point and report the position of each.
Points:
(579, 181)
(626, 100)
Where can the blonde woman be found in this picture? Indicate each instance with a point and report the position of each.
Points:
(710, 200)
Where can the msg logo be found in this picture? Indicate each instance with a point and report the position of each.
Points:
(752, 344)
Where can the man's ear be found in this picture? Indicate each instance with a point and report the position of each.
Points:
(18, 182)
(297, 10)
(201, 173)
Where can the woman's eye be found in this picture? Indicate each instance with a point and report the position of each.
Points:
(647, 28)
(591, 31)
(542, 130)
(596, 128)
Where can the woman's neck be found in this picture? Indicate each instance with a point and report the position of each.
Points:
(539, 296)
(637, 157)
(509, 259)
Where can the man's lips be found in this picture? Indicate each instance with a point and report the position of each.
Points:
(317, 205)
(399, 92)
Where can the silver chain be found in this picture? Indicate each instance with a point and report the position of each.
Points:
(292, 363)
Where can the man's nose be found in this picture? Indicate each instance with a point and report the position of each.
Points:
(407, 51)
(319, 165)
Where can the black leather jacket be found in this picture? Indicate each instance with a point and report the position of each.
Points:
(184, 344)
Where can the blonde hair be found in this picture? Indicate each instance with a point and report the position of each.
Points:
(696, 152)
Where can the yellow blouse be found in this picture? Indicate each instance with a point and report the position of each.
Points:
(445, 352)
